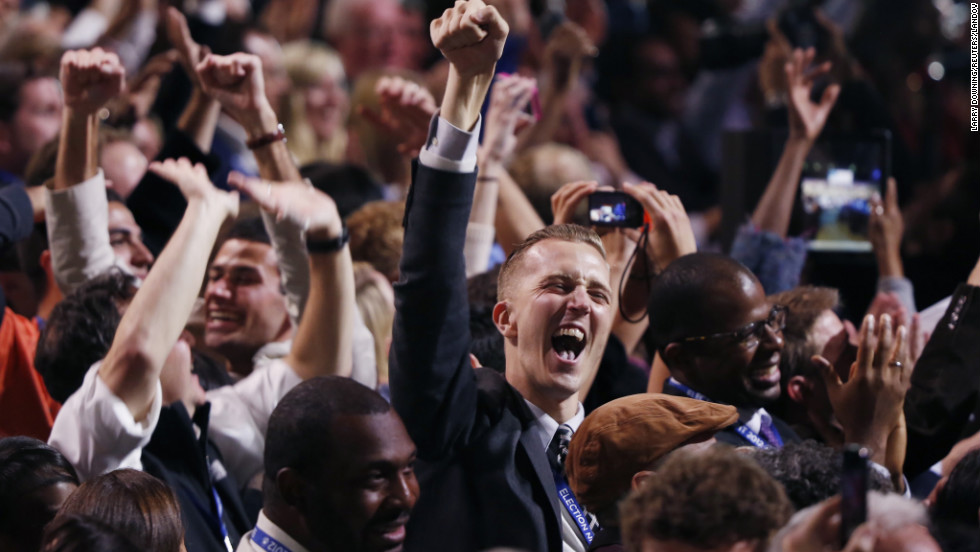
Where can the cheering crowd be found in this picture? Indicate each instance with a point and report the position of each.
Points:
(309, 276)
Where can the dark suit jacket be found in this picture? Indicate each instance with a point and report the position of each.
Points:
(485, 480)
(942, 405)
(731, 437)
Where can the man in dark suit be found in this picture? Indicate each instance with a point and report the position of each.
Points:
(486, 475)
(721, 340)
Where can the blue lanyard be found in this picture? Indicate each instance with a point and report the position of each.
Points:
(567, 498)
(268, 543)
(740, 427)
(214, 519)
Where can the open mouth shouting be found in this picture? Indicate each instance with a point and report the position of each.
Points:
(568, 343)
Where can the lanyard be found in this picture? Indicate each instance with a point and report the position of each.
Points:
(214, 519)
(567, 498)
(268, 543)
(740, 427)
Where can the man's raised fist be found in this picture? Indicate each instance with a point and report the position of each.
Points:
(471, 35)
(90, 78)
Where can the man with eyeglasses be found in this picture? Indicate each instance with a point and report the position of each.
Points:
(721, 340)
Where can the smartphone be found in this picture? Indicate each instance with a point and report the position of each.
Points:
(615, 209)
(854, 490)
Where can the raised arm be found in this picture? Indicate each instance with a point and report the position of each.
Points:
(885, 230)
(76, 206)
(762, 245)
(565, 53)
(669, 237)
(498, 200)
(806, 121)
(432, 385)
(322, 345)
(159, 311)
(158, 205)
(236, 82)
(200, 116)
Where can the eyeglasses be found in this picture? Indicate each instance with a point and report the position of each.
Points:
(749, 336)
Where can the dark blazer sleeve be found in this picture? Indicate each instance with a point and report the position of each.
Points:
(433, 387)
(945, 384)
(156, 203)
(16, 215)
(16, 222)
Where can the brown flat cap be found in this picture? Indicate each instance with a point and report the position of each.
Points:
(630, 434)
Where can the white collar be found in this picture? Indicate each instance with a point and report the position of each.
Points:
(755, 421)
(544, 426)
(277, 533)
(272, 350)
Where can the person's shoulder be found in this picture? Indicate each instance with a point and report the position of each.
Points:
(497, 398)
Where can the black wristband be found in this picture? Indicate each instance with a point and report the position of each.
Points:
(329, 246)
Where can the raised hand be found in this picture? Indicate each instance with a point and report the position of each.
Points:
(471, 36)
(885, 230)
(671, 235)
(505, 115)
(869, 405)
(193, 182)
(567, 46)
(90, 78)
(807, 119)
(236, 82)
(565, 201)
(189, 52)
(406, 110)
(299, 202)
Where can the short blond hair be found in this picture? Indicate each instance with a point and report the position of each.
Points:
(562, 232)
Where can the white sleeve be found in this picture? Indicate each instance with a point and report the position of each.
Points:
(96, 431)
(365, 365)
(477, 248)
(240, 415)
(84, 30)
(78, 232)
(450, 149)
(289, 242)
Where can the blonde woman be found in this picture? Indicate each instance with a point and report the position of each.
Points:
(376, 301)
(316, 109)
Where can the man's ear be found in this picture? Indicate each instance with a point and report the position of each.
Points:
(799, 389)
(640, 478)
(502, 319)
(292, 488)
(671, 355)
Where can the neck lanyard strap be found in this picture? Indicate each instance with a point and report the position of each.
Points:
(567, 498)
(740, 427)
(268, 543)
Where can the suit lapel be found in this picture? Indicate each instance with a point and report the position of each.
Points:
(546, 479)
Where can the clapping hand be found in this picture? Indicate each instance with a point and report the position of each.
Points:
(505, 117)
(298, 202)
(406, 110)
(193, 182)
(869, 405)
